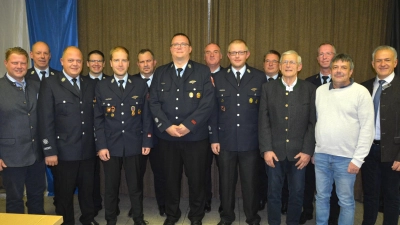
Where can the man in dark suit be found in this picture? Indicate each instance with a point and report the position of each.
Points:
(325, 54)
(41, 56)
(271, 65)
(181, 102)
(21, 158)
(66, 131)
(233, 136)
(212, 56)
(286, 134)
(147, 65)
(381, 169)
(123, 127)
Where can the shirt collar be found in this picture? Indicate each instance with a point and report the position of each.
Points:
(273, 77)
(100, 77)
(388, 79)
(38, 71)
(125, 78)
(289, 88)
(183, 69)
(242, 70)
(331, 84)
(217, 70)
(14, 80)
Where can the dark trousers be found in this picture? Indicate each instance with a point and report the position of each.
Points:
(295, 178)
(210, 157)
(96, 186)
(309, 193)
(134, 180)
(263, 180)
(14, 181)
(247, 162)
(67, 176)
(377, 175)
(285, 189)
(193, 156)
(157, 166)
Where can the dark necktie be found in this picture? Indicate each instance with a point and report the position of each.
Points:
(270, 79)
(377, 97)
(238, 78)
(76, 85)
(179, 72)
(43, 74)
(96, 79)
(325, 78)
(121, 86)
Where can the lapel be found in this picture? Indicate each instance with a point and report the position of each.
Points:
(188, 71)
(64, 82)
(172, 73)
(128, 88)
(113, 85)
(230, 77)
(84, 85)
(247, 76)
(30, 93)
(33, 75)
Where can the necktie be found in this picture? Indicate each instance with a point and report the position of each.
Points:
(43, 74)
(21, 85)
(377, 97)
(121, 86)
(325, 78)
(76, 85)
(238, 77)
(96, 79)
(179, 72)
(270, 79)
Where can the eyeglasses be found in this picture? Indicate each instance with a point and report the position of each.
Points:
(291, 62)
(271, 61)
(237, 53)
(326, 53)
(95, 61)
(177, 45)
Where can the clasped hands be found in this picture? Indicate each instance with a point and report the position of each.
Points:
(177, 131)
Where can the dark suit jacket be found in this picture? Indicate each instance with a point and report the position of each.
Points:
(19, 142)
(234, 122)
(315, 79)
(287, 119)
(390, 119)
(32, 75)
(129, 127)
(66, 118)
(105, 76)
(188, 100)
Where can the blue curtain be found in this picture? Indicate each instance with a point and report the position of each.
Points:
(54, 22)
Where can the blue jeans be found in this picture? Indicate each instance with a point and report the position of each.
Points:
(295, 178)
(329, 168)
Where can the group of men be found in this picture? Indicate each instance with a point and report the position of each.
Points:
(266, 126)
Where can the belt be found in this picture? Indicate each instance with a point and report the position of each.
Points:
(377, 142)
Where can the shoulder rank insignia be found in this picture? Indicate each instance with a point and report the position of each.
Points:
(254, 89)
(172, 65)
(112, 81)
(248, 70)
(192, 81)
(135, 97)
(129, 80)
(51, 73)
(229, 70)
(317, 77)
(190, 66)
(32, 72)
(63, 79)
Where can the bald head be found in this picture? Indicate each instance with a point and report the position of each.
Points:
(40, 55)
(72, 61)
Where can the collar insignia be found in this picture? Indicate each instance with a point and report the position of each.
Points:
(63, 79)
(248, 70)
(129, 80)
(112, 81)
(32, 72)
(51, 73)
(190, 66)
(229, 70)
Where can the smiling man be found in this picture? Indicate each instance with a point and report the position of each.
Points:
(41, 56)
(342, 145)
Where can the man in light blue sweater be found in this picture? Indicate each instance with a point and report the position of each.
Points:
(344, 133)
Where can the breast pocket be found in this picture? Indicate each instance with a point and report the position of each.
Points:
(136, 106)
(194, 93)
(224, 100)
(64, 106)
(254, 98)
(109, 107)
(164, 91)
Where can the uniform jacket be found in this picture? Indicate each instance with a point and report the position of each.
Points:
(389, 119)
(32, 75)
(66, 118)
(123, 122)
(19, 142)
(287, 119)
(234, 122)
(315, 79)
(188, 100)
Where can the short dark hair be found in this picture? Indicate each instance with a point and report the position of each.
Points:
(182, 34)
(272, 51)
(98, 52)
(144, 50)
(344, 58)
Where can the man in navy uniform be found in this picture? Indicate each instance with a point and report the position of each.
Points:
(21, 158)
(234, 125)
(181, 101)
(41, 56)
(66, 131)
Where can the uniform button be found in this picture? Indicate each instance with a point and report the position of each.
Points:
(33, 140)
(122, 113)
(176, 117)
(83, 122)
(83, 133)
(80, 102)
(24, 102)
(123, 131)
(108, 104)
(238, 114)
(238, 125)
(31, 127)
(286, 105)
(64, 101)
(177, 99)
(122, 104)
(286, 118)
(81, 112)
(194, 89)
(177, 89)
(122, 122)
(29, 114)
(176, 108)
(286, 129)
(287, 140)
(287, 93)
(238, 104)
(238, 94)
(58, 137)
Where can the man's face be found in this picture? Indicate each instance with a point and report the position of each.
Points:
(95, 64)
(384, 63)
(212, 55)
(120, 62)
(289, 66)
(146, 64)
(271, 64)
(72, 62)
(341, 73)
(180, 48)
(325, 55)
(41, 55)
(16, 66)
(238, 55)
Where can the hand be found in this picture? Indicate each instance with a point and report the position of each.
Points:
(304, 159)
(2, 165)
(104, 154)
(353, 169)
(396, 166)
(51, 160)
(269, 158)
(182, 130)
(145, 150)
(172, 130)
(215, 147)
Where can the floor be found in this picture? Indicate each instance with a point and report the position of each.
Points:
(151, 212)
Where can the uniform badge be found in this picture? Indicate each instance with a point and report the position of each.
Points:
(190, 66)
(63, 79)
(52, 73)
(135, 97)
(45, 141)
(112, 109)
(156, 120)
(191, 95)
(129, 80)
(212, 81)
(112, 81)
(198, 95)
(248, 70)
(33, 72)
(94, 100)
(222, 100)
(250, 100)
(108, 109)
(112, 114)
(254, 89)
(223, 108)
(139, 111)
(256, 101)
(229, 70)
(108, 99)
(133, 110)
(192, 81)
